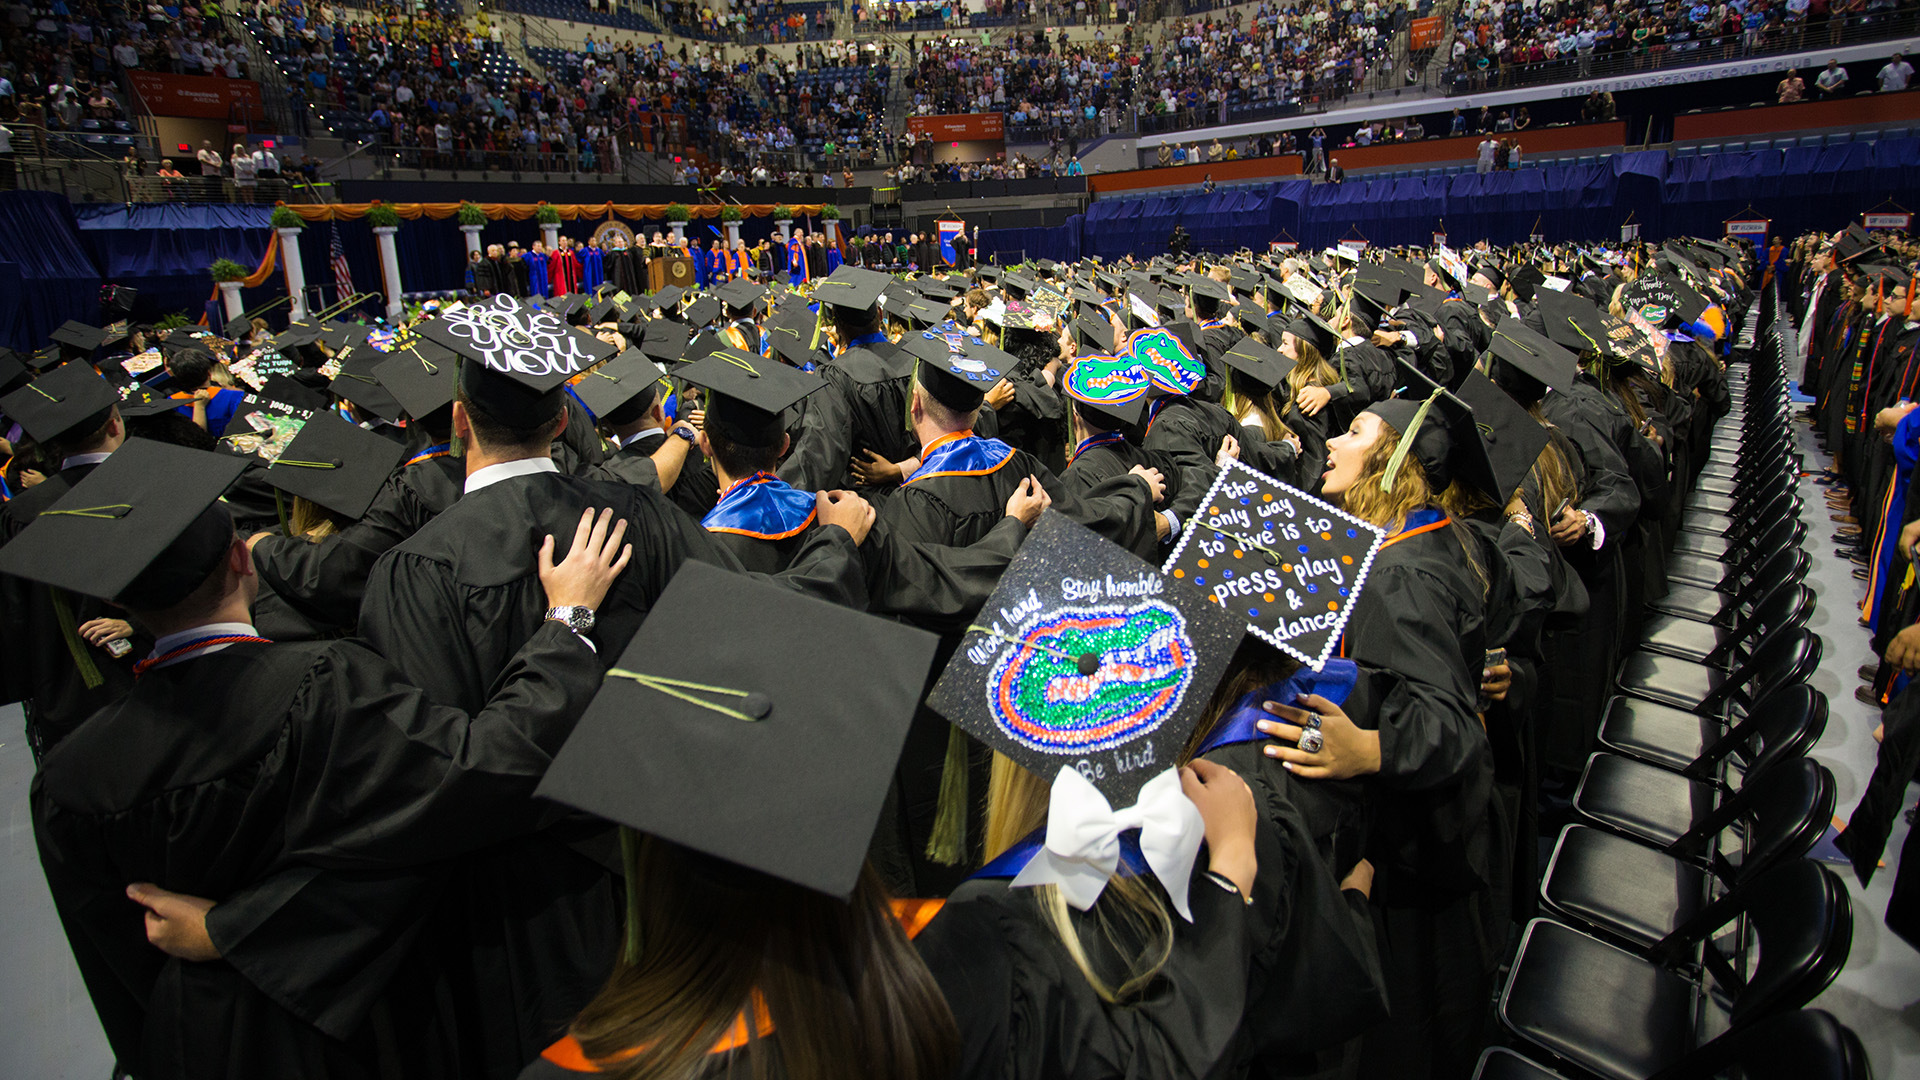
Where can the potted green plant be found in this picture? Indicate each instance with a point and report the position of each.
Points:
(546, 215)
(286, 217)
(730, 217)
(830, 215)
(471, 214)
(227, 278)
(783, 220)
(382, 216)
(677, 215)
(225, 270)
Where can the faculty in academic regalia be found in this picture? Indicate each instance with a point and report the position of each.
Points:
(563, 268)
(346, 766)
(593, 269)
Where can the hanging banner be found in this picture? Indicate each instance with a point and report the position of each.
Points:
(1424, 33)
(1282, 245)
(202, 96)
(1887, 221)
(964, 127)
(1630, 232)
(951, 233)
(1439, 239)
(1748, 227)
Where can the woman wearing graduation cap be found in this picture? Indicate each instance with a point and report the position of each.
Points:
(1425, 618)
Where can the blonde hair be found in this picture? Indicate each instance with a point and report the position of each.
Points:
(1131, 908)
(1309, 368)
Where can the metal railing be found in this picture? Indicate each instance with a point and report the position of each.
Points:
(205, 189)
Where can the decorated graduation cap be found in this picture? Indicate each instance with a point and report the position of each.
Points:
(1288, 564)
(1437, 430)
(70, 399)
(291, 391)
(357, 383)
(515, 357)
(339, 465)
(619, 390)
(1512, 436)
(1090, 669)
(422, 377)
(138, 401)
(1259, 363)
(955, 369)
(1527, 349)
(809, 740)
(144, 529)
(1168, 356)
(1114, 388)
(748, 394)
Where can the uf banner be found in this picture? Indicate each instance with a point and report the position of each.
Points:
(950, 232)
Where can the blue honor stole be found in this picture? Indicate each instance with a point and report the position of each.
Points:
(762, 506)
(1010, 862)
(1335, 682)
(961, 453)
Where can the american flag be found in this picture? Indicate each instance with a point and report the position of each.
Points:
(342, 276)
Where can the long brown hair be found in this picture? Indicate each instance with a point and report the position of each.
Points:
(1132, 913)
(1309, 368)
(1553, 469)
(1243, 394)
(1389, 507)
(843, 987)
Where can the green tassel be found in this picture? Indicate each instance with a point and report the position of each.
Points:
(63, 613)
(1405, 445)
(630, 866)
(948, 844)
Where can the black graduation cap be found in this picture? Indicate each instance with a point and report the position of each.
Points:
(1512, 436)
(337, 336)
(668, 299)
(795, 335)
(297, 334)
(339, 465)
(702, 311)
(852, 287)
(1114, 387)
(1317, 332)
(664, 340)
(616, 383)
(704, 344)
(604, 311)
(1571, 321)
(1531, 352)
(749, 393)
(1253, 317)
(1264, 365)
(1854, 243)
(13, 371)
(1202, 285)
(1017, 286)
(422, 377)
(957, 379)
(66, 399)
(565, 304)
(1491, 272)
(144, 529)
(288, 390)
(935, 288)
(921, 314)
(357, 383)
(78, 335)
(138, 400)
(740, 294)
(1093, 335)
(1443, 440)
(988, 274)
(1371, 302)
(808, 739)
(515, 355)
(1137, 660)
(1287, 564)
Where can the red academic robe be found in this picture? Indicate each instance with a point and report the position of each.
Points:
(563, 267)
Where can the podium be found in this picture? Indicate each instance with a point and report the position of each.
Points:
(669, 270)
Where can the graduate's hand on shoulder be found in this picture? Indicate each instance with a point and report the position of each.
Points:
(176, 923)
(1027, 501)
(847, 510)
(1001, 395)
(1229, 451)
(1154, 479)
(595, 559)
(1346, 749)
(873, 470)
(1314, 398)
(1903, 651)
(1359, 878)
(100, 631)
(1226, 805)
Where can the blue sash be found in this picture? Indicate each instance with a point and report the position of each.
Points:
(969, 455)
(1015, 859)
(1335, 683)
(761, 506)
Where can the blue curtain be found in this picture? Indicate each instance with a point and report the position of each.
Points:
(164, 250)
(46, 277)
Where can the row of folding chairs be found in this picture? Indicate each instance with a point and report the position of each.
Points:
(1684, 928)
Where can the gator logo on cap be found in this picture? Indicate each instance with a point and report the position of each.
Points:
(1095, 678)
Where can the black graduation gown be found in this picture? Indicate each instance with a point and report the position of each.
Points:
(578, 448)
(1025, 1010)
(1036, 419)
(246, 768)
(821, 428)
(1467, 336)
(1189, 431)
(1368, 378)
(631, 464)
(324, 582)
(1186, 484)
(41, 669)
(874, 383)
(448, 606)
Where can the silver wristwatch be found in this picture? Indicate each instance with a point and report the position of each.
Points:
(577, 619)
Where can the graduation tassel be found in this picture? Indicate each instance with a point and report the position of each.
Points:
(63, 613)
(1405, 445)
(948, 844)
(630, 869)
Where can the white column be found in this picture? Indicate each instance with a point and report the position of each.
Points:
(786, 230)
(296, 274)
(833, 229)
(389, 268)
(679, 231)
(733, 233)
(472, 234)
(551, 230)
(230, 299)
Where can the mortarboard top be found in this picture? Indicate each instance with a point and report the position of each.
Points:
(42, 359)
(1489, 271)
(957, 379)
(339, 465)
(357, 383)
(78, 335)
(62, 401)
(704, 344)
(667, 300)
(740, 294)
(605, 310)
(138, 400)
(235, 330)
(664, 340)
(297, 334)
(1315, 331)
(922, 314)
(421, 377)
(1531, 352)
(935, 288)
(290, 391)
(1372, 301)
(565, 304)
(1203, 285)
(1139, 661)
(852, 287)
(1445, 441)
(143, 529)
(1017, 283)
(1267, 366)
(702, 312)
(514, 356)
(748, 394)
(1093, 335)
(1525, 280)
(809, 741)
(795, 335)
(616, 382)
(13, 371)
(1513, 438)
(1045, 266)
(1571, 321)
(988, 274)
(337, 336)
(1477, 295)
(1114, 386)
(1853, 243)
(1253, 317)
